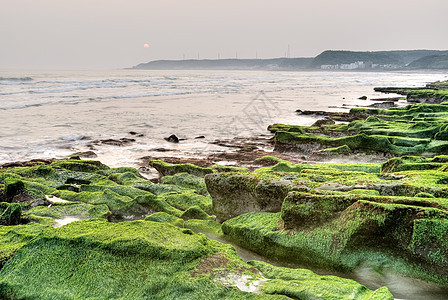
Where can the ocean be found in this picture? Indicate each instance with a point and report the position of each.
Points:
(52, 114)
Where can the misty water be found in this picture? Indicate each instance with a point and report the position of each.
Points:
(53, 114)
(56, 113)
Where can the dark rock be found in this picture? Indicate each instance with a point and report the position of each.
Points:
(363, 98)
(132, 133)
(200, 137)
(163, 150)
(13, 187)
(312, 112)
(325, 121)
(112, 142)
(394, 99)
(126, 140)
(172, 139)
(86, 154)
(13, 164)
(383, 105)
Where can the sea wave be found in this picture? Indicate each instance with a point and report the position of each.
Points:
(143, 95)
(16, 79)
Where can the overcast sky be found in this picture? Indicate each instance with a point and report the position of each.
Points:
(110, 34)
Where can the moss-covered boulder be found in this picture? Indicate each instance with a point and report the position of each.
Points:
(410, 130)
(10, 213)
(347, 214)
(166, 169)
(304, 284)
(13, 187)
(188, 181)
(152, 260)
(13, 238)
(235, 194)
(68, 190)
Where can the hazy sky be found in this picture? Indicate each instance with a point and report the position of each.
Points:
(108, 34)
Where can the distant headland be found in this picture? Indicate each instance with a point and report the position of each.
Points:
(327, 60)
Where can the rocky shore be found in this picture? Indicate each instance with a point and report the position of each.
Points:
(78, 229)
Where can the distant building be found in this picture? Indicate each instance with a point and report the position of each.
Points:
(358, 65)
(329, 67)
(353, 66)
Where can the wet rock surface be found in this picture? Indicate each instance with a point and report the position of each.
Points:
(87, 233)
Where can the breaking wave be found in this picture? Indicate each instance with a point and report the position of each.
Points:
(16, 79)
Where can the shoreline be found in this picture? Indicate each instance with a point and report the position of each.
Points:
(288, 197)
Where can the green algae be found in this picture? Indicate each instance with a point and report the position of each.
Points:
(164, 217)
(346, 216)
(103, 260)
(166, 169)
(205, 226)
(60, 210)
(344, 149)
(413, 129)
(188, 181)
(10, 213)
(304, 284)
(181, 201)
(185, 199)
(92, 186)
(13, 238)
(195, 212)
(142, 260)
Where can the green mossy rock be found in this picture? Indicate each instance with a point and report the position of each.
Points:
(304, 284)
(187, 181)
(413, 129)
(13, 238)
(195, 212)
(10, 213)
(234, 194)
(13, 187)
(186, 199)
(78, 210)
(344, 149)
(100, 260)
(166, 169)
(137, 259)
(148, 260)
(164, 217)
(80, 166)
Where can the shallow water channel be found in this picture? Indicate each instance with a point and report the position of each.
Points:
(401, 287)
